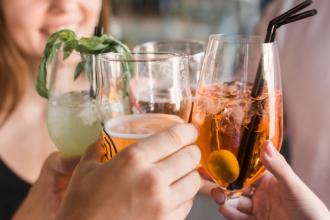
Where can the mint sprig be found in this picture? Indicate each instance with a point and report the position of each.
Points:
(92, 46)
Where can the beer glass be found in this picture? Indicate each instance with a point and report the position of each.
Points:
(233, 120)
(140, 96)
(72, 119)
(192, 48)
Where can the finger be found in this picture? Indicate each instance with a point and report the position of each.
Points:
(207, 182)
(63, 165)
(249, 192)
(163, 144)
(184, 189)
(288, 180)
(207, 187)
(277, 165)
(218, 195)
(94, 152)
(179, 164)
(245, 205)
(202, 171)
(182, 211)
(231, 213)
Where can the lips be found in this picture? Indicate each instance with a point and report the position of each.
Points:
(61, 22)
(48, 30)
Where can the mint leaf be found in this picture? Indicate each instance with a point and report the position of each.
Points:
(92, 45)
(52, 46)
(84, 46)
(79, 69)
(68, 47)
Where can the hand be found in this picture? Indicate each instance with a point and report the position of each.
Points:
(153, 179)
(279, 194)
(207, 183)
(45, 196)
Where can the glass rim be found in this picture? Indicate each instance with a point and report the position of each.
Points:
(198, 43)
(121, 58)
(237, 39)
(179, 41)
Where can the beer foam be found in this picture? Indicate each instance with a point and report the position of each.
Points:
(140, 126)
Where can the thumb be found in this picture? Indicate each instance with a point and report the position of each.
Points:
(277, 165)
(94, 152)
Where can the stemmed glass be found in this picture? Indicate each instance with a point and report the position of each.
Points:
(139, 96)
(234, 120)
(192, 48)
(72, 119)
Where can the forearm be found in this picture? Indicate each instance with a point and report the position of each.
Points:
(37, 205)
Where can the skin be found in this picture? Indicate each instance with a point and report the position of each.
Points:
(29, 23)
(280, 194)
(38, 19)
(48, 189)
(154, 179)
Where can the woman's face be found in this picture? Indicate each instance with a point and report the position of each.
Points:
(30, 22)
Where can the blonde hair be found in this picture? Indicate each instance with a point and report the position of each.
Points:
(14, 69)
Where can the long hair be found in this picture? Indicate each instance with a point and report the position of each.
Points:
(14, 68)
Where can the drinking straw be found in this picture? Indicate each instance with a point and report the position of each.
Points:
(98, 31)
(284, 16)
(250, 131)
(291, 19)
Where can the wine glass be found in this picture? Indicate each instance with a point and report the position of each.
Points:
(234, 112)
(72, 119)
(140, 96)
(192, 48)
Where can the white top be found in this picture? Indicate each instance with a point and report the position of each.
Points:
(305, 62)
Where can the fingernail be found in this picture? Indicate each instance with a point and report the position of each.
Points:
(218, 196)
(269, 149)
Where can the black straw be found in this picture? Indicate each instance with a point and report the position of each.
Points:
(285, 15)
(250, 131)
(291, 19)
(98, 31)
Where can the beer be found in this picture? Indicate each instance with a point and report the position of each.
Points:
(164, 105)
(125, 130)
(221, 113)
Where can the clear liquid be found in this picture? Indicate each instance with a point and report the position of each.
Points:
(72, 122)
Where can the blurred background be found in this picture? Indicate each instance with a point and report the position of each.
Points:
(138, 21)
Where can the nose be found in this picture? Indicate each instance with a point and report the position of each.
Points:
(60, 6)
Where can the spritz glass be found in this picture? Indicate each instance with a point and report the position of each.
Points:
(234, 120)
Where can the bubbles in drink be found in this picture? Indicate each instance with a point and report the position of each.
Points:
(140, 125)
(128, 129)
(72, 122)
(221, 113)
